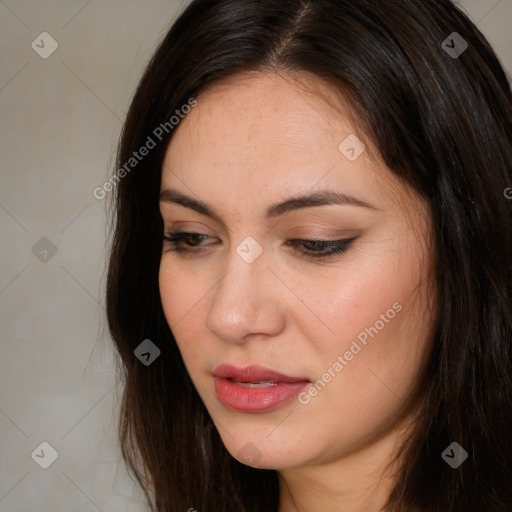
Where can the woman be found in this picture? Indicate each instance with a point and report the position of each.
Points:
(309, 282)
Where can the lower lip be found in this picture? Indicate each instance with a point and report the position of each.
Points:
(253, 400)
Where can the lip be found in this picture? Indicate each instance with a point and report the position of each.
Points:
(233, 394)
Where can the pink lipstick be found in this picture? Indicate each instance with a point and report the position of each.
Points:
(254, 389)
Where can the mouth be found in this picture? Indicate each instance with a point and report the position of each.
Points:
(255, 389)
(259, 384)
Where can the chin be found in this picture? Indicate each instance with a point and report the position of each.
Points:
(258, 452)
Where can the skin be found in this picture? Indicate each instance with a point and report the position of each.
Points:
(256, 140)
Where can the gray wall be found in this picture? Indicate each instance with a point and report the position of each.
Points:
(60, 120)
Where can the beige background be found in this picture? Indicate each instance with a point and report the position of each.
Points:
(60, 120)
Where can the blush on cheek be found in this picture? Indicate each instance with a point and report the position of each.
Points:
(369, 336)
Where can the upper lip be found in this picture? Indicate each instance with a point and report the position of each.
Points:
(253, 374)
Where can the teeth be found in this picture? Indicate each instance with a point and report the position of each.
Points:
(259, 384)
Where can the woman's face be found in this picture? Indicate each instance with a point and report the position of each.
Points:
(320, 352)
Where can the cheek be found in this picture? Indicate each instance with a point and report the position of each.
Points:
(381, 357)
(352, 300)
(183, 298)
(378, 312)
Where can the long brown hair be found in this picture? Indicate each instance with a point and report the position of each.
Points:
(441, 120)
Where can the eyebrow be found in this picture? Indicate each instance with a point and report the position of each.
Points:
(320, 198)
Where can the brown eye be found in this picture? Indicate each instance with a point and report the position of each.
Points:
(183, 241)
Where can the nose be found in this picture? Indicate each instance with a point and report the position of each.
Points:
(246, 302)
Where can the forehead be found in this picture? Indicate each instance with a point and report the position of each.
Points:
(258, 135)
(252, 115)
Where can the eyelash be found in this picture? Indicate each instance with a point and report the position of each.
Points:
(334, 247)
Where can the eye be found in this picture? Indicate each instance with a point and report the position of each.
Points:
(188, 242)
(191, 240)
(322, 249)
